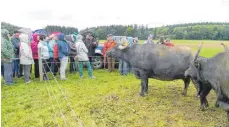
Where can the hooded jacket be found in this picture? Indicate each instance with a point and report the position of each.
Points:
(34, 46)
(81, 49)
(25, 53)
(62, 45)
(7, 49)
(44, 50)
(71, 45)
(51, 45)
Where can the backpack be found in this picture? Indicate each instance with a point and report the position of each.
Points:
(68, 49)
(55, 51)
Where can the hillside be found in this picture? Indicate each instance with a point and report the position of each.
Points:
(190, 31)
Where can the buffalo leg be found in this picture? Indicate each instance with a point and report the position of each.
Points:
(204, 92)
(228, 115)
(186, 84)
(142, 89)
(219, 97)
(197, 86)
(223, 105)
(144, 82)
(146, 86)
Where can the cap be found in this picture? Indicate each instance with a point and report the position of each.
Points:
(109, 35)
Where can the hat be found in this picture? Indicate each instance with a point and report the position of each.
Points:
(17, 31)
(151, 36)
(109, 35)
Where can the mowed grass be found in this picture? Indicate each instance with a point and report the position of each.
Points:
(109, 100)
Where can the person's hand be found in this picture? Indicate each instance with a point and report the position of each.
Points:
(76, 57)
(94, 43)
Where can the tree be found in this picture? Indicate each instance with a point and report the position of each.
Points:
(62, 29)
(11, 28)
(129, 31)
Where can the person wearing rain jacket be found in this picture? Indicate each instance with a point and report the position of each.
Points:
(25, 55)
(17, 70)
(125, 67)
(82, 56)
(91, 44)
(109, 44)
(73, 52)
(63, 52)
(51, 43)
(7, 53)
(44, 55)
(34, 47)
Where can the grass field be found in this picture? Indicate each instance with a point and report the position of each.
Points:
(109, 100)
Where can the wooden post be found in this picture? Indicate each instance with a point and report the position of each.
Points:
(40, 64)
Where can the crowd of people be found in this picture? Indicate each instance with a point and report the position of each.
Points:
(19, 54)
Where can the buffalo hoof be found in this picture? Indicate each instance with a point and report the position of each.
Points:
(203, 107)
(206, 103)
(216, 104)
(141, 94)
(184, 93)
(228, 116)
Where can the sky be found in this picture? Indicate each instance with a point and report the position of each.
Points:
(89, 13)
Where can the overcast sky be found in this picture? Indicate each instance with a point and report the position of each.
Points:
(88, 13)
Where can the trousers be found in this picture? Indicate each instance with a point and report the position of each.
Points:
(63, 66)
(8, 73)
(111, 63)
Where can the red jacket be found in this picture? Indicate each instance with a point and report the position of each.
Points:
(55, 51)
(34, 46)
(108, 46)
(170, 44)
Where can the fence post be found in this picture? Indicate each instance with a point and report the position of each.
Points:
(40, 64)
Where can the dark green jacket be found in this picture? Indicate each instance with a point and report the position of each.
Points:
(7, 49)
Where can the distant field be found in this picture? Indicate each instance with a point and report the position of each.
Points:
(110, 100)
(210, 47)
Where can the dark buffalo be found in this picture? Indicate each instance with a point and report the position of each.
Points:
(155, 61)
(212, 73)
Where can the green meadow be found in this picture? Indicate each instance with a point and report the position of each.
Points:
(110, 100)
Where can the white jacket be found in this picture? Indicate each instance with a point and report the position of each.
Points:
(81, 51)
(25, 54)
(44, 50)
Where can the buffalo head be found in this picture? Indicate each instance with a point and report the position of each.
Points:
(118, 50)
(193, 71)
